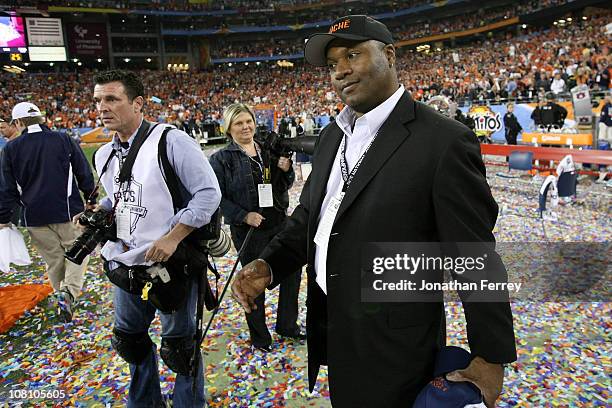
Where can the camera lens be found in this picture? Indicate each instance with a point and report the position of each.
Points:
(83, 246)
(220, 246)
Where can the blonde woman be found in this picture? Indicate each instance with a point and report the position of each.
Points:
(254, 186)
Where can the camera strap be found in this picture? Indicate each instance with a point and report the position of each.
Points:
(176, 188)
(168, 172)
(125, 174)
(96, 189)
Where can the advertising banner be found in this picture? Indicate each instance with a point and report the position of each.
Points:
(489, 119)
(44, 32)
(87, 40)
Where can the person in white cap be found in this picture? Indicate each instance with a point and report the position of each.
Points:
(44, 171)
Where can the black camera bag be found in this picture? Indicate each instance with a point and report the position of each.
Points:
(166, 297)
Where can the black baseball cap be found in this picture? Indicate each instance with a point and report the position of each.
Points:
(354, 27)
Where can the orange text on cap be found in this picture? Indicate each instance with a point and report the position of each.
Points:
(343, 25)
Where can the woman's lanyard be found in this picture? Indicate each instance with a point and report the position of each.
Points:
(263, 168)
(264, 190)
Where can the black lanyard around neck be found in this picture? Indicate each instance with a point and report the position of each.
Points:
(346, 176)
(125, 174)
(265, 169)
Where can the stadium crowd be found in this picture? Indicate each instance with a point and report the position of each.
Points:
(514, 67)
(267, 48)
(186, 5)
(413, 26)
(406, 31)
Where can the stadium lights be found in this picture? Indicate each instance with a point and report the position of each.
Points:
(13, 69)
(99, 59)
(148, 59)
(127, 59)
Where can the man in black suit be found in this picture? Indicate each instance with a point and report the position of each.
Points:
(389, 169)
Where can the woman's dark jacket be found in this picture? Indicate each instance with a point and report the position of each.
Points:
(238, 187)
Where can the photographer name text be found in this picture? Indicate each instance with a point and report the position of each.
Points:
(411, 286)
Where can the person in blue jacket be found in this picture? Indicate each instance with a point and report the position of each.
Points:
(43, 171)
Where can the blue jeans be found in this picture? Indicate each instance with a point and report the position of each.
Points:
(133, 315)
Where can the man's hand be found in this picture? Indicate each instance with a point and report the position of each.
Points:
(162, 249)
(5, 225)
(250, 282)
(488, 377)
(254, 219)
(75, 219)
(284, 164)
(93, 207)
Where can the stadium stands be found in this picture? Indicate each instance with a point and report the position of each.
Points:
(517, 64)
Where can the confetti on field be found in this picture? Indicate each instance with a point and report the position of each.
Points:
(564, 352)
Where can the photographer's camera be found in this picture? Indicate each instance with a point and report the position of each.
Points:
(99, 226)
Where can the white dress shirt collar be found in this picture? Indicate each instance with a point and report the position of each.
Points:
(117, 140)
(34, 129)
(374, 119)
